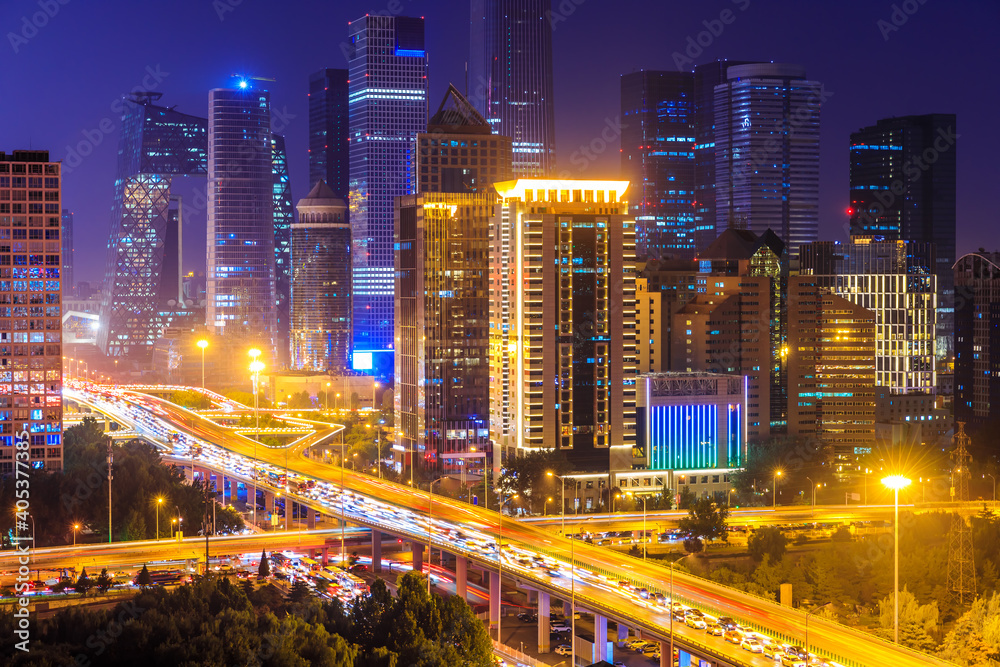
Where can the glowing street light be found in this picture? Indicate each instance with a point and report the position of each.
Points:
(774, 494)
(896, 482)
(159, 501)
(256, 366)
(202, 344)
(76, 527)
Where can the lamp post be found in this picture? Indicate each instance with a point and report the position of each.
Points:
(202, 344)
(545, 506)
(374, 393)
(430, 528)
(895, 482)
(159, 501)
(256, 366)
(774, 494)
(994, 487)
(562, 482)
(76, 527)
(500, 562)
(643, 499)
(812, 611)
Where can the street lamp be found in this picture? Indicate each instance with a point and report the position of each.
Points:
(256, 366)
(326, 395)
(774, 495)
(545, 506)
(500, 564)
(896, 482)
(430, 527)
(562, 482)
(643, 499)
(202, 344)
(159, 501)
(374, 392)
(994, 487)
(76, 527)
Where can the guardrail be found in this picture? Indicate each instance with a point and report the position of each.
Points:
(517, 656)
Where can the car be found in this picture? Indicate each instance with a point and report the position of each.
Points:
(694, 612)
(527, 617)
(651, 648)
(728, 623)
(715, 629)
(563, 649)
(695, 622)
(559, 626)
(733, 636)
(631, 644)
(793, 656)
(678, 616)
(659, 597)
(773, 650)
(641, 648)
(643, 593)
(751, 644)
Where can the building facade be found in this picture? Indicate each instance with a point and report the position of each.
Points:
(977, 339)
(281, 200)
(767, 122)
(903, 186)
(387, 65)
(321, 283)
(831, 369)
(652, 329)
(328, 147)
(657, 158)
(68, 281)
(241, 294)
(510, 78)
(562, 339)
(31, 310)
(692, 421)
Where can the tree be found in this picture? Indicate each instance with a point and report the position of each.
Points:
(693, 545)
(104, 581)
(916, 621)
(83, 583)
(144, 579)
(300, 591)
(767, 541)
(842, 534)
(706, 520)
(264, 569)
(526, 475)
(134, 527)
(686, 500)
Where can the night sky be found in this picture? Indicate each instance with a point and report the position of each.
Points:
(60, 84)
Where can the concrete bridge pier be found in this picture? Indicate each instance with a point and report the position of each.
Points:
(495, 593)
(418, 556)
(461, 576)
(544, 642)
(666, 660)
(601, 651)
(376, 551)
(622, 632)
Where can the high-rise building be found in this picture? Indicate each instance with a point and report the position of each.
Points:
(387, 63)
(283, 217)
(458, 153)
(652, 328)
(328, 148)
(241, 296)
(657, 158)
(510, 78)
(321, 283)
(903, 183)
(767, 152)
(831, 370)
(896, 281)
(31, 317)
(172, 272)
(977, 339)
(562, 322)
(69, 286)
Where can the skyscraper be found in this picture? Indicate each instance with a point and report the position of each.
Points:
(328, 148)
(31, 317)
(282, 206)
(387, 109)
(977, 339)
(767, 152)
(69, 284)
(321, 282)
(241, 297)
(510, 78)
(902, 180)
(657, 158)
(562, 321)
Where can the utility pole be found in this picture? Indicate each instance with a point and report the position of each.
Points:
(110, 458)
(961, 564)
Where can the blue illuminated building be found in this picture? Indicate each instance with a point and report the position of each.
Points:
(387, 105)
(692, 421)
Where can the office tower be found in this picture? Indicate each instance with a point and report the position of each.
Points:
(692, 421)
(767, 152)
(458, 153)
(171, 291)
(321, 283)
(387, 109)
(442, 328)
(30, 337)
(903, 181)
(895, 280)
(562, 321)
(328, 147)
(156, 144)
(651, 328)
(510, 78)
(69, 286)
(283, 217)
(736, 324)
(706, 78)
(831, 369)
(241, 297)
(657, 158)
(977, 339)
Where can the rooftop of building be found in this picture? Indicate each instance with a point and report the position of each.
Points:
(457, 115)
(25, 156)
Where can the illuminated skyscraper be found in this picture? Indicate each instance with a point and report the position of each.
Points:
(69, 286)
(562, 335)
(657, 158)
(510, 78)
(241, 296)
(31, 314)
(977, 340)
(321, 283)
(387, 109)
(282, 207)
(767, 152)
(329, 158)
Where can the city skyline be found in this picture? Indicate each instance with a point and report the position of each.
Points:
(899, 79)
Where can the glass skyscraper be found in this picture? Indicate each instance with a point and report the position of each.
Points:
(767, 152)
(241, 296)
(282, 206)
(657, 158)
(328, 147)
(69, 285)
(387, 109)
(510, 78)
(902, 180)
